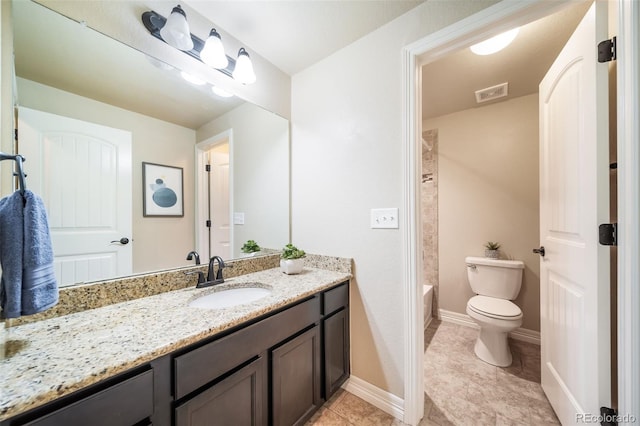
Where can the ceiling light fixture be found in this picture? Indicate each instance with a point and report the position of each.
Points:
(176, 30)
(495, 44)
(210, 52)
(244, 68)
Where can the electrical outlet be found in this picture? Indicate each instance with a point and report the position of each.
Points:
(384, 218)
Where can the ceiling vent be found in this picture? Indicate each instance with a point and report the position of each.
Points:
(491, 93)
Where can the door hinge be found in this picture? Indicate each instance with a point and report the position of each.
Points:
(15, 135)
(207, 168)
(607, 50)
(608, 416)
(208, 224)
(608, 234)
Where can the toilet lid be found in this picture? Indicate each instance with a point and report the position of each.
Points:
(493, 307)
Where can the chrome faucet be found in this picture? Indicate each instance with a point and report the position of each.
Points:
(218, 278)
(191, 255)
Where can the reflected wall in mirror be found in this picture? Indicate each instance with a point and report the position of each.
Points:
(69, 70)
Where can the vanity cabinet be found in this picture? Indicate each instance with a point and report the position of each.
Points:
(124, 400)
(335, 338)
(306, 347)
(276, 369)
(211, 381)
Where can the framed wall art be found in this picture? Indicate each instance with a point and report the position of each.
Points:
(162, 190)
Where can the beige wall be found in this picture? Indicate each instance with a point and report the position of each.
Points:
(488, 191)
(347, 159)
(158, 243)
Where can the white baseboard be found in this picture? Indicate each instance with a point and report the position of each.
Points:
(521, 334)
(427, 321)
(387, 402)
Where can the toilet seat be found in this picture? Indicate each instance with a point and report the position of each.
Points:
(494, 308)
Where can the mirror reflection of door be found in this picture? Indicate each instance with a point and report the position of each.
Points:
(82, 171)
(214, 199)
(219, 203)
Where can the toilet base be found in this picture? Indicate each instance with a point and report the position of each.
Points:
(492, 347)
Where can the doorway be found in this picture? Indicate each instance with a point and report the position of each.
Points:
(478, 27)
(214, 196)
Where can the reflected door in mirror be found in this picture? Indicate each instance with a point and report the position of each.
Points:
(219, 202)
(82, 171)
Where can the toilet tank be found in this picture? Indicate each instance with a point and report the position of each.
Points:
(495, 278)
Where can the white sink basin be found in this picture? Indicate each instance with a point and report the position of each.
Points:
(230, 297)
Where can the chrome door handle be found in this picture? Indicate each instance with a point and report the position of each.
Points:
(539, 251)
(124, 241)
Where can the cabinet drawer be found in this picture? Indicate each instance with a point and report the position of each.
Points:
(206, 363)
(335, 299)
(122, 404)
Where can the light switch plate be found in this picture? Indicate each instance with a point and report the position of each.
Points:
(238, 218)
(384, 218)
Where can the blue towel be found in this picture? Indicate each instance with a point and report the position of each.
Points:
(28, 280)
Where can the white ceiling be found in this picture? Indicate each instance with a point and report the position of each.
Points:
(295, 34)
(449, 84)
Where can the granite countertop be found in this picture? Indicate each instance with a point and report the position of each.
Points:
(55, 357)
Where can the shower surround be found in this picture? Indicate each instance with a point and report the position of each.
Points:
(429, 193)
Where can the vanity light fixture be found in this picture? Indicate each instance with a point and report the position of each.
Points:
(243, 72)
(496, 43)
(175, 31)
(210, 52)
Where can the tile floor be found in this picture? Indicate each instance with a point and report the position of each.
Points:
(460, 389)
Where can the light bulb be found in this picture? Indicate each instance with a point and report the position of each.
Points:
(176, 30)
(495, 44)
(243, 72)
(212, 53)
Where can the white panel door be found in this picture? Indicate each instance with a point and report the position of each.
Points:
(82, 171)
(574, 199)
(219, 204)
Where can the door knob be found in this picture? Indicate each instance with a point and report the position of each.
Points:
(124, 241)
(539, 251)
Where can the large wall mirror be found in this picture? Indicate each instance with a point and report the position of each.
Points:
(67, 71)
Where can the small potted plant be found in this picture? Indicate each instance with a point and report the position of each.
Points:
(291, 260)
(491, 250)
(250, 248)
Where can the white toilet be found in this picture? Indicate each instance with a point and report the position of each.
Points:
(496, 283)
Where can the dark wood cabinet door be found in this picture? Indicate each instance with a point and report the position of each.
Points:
(296, 379)
(336, 351)
(238, 400)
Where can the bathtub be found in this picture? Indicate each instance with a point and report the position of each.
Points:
(428, 303)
